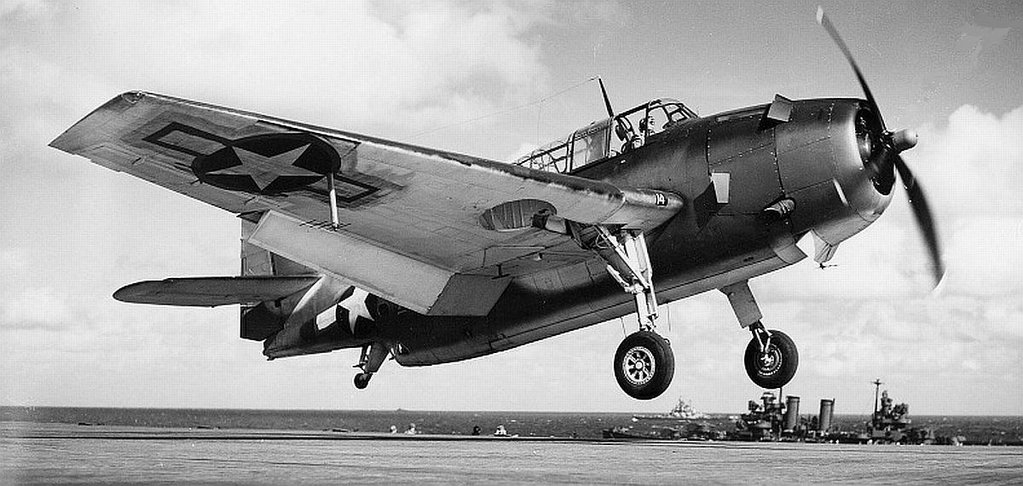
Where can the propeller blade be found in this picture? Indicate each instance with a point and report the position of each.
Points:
(828, 26)
(922, 212)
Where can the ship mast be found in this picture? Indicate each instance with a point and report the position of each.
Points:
(877, 387)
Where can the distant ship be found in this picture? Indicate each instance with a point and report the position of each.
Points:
(683, 411)
(774, 420)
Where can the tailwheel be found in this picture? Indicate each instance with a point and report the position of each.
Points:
(373, 355)
(362, 380)
(644, 365)
(771, 358)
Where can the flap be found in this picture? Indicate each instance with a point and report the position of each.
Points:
(413, 284)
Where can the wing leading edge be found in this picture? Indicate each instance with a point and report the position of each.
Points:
(407, 213)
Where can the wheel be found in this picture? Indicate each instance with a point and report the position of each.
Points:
(644, 365)
(362, 380)
(776, 367)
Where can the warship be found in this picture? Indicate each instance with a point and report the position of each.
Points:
(682, 422)
(682, 411)
(891, 423)
(771, 420)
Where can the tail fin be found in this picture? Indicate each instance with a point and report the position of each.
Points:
(262, 320)
(259, 262)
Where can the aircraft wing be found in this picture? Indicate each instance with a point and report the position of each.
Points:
(423, 228)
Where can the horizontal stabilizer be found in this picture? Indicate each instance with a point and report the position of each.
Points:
(213, 291)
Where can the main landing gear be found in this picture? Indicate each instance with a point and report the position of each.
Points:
(771, 357)
(644, 364)
(373, 355)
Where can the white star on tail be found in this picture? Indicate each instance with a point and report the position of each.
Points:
(355, 304)
(265, 170)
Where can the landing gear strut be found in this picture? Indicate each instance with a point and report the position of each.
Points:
(373, 355)
(644, 364)
(771, 358)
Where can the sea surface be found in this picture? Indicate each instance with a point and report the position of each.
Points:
(992, 430)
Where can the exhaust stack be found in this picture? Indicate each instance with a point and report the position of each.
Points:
(791, 413)
(827, 413)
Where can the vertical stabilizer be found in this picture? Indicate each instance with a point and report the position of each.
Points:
(263, 320)
(257, 261)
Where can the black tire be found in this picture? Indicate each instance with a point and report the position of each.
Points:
(362, 380)
(778, 367)
(644, 365)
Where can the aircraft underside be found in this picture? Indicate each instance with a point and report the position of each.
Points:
(527, 314)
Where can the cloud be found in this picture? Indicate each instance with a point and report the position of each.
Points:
(974, 164)
(337, 64)
(33, 308)
(972, 170)
(984, 32)
(24, 8)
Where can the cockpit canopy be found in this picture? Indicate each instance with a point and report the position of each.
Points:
(608, 137)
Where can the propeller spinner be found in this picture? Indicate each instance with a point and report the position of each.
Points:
(883, 147)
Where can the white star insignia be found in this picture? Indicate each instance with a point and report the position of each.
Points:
(355, 304)
(325, 319)
(265, 170)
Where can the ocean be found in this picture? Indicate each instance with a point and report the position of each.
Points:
(992, 430)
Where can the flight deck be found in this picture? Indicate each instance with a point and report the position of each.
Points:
(65, 453)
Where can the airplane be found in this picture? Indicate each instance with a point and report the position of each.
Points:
(428, 256)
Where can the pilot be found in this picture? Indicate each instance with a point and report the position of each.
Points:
(644, 124)
(629, 137)
(646, 128)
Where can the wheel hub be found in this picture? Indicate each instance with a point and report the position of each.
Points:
(639, 365)
(770, 361)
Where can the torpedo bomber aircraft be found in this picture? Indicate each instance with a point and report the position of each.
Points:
(351, 241)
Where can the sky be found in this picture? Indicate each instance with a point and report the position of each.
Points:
(495, 79)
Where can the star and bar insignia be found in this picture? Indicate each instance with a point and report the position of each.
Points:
(267, 164)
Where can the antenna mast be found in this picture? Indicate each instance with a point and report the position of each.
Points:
(607, 102)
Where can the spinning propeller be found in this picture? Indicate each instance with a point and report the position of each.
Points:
(882, 147)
